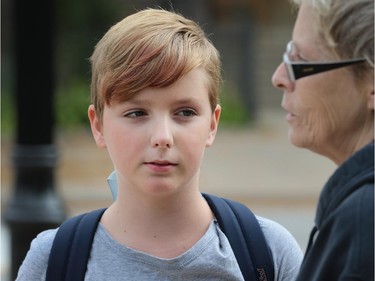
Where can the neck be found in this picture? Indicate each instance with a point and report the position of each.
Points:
(344, 149)
(164, 227)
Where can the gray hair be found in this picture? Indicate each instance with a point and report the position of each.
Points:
(347, 27)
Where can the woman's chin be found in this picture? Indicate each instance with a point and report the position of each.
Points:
(297, 139)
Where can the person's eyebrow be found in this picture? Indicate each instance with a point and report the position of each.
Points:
(177, 102)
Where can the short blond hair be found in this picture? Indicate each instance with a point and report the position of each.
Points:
(151, 48)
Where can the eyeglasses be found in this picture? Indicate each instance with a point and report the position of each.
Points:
(299, 69)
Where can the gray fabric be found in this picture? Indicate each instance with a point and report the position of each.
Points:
(211, 258)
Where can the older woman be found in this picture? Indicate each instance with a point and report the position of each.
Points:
(327, 77)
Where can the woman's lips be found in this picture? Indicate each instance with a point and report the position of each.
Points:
(290, 117)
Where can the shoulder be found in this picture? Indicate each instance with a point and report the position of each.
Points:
(41, 245)
(363, 195)
(35, 263)
(355, 212)
(286, 252)
(275, 233)
(358, 205)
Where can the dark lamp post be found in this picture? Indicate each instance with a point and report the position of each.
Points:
(34, 205)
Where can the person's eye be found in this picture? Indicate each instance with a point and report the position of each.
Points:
(300, 58)
(135, 114)
(186, 112)
(295, 57)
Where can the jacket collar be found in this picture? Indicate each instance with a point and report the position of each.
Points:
(350, 176)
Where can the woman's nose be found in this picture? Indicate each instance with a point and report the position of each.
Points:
(280, 79)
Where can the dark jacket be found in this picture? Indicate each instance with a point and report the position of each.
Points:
(341, 245)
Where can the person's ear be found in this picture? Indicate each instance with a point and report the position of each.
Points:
(371, 100)
(96, 127)
(369, 88)
(214, 126)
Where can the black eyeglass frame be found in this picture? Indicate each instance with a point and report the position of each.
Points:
(299, 69)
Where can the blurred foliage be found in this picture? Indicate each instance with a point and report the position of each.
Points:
(7, 114)
(79, 25)
(71, 105)
(233, 112)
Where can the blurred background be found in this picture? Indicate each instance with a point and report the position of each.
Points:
(251, 160)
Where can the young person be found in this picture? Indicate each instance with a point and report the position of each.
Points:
(155, 93)
(327, 77)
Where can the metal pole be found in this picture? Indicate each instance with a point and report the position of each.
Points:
(34, 205)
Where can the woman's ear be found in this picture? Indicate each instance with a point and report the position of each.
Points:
(96, 127)
(214, 126)
(369, 88)
(371, 100)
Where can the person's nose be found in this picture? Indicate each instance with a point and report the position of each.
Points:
(280, 78)
(162, 136)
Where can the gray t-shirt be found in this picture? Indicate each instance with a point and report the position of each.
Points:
(211, 258)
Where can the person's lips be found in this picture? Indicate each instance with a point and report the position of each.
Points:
(160, 166)
(290, 117)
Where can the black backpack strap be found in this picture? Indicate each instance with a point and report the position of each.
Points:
(72, 246)
(245, 237)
